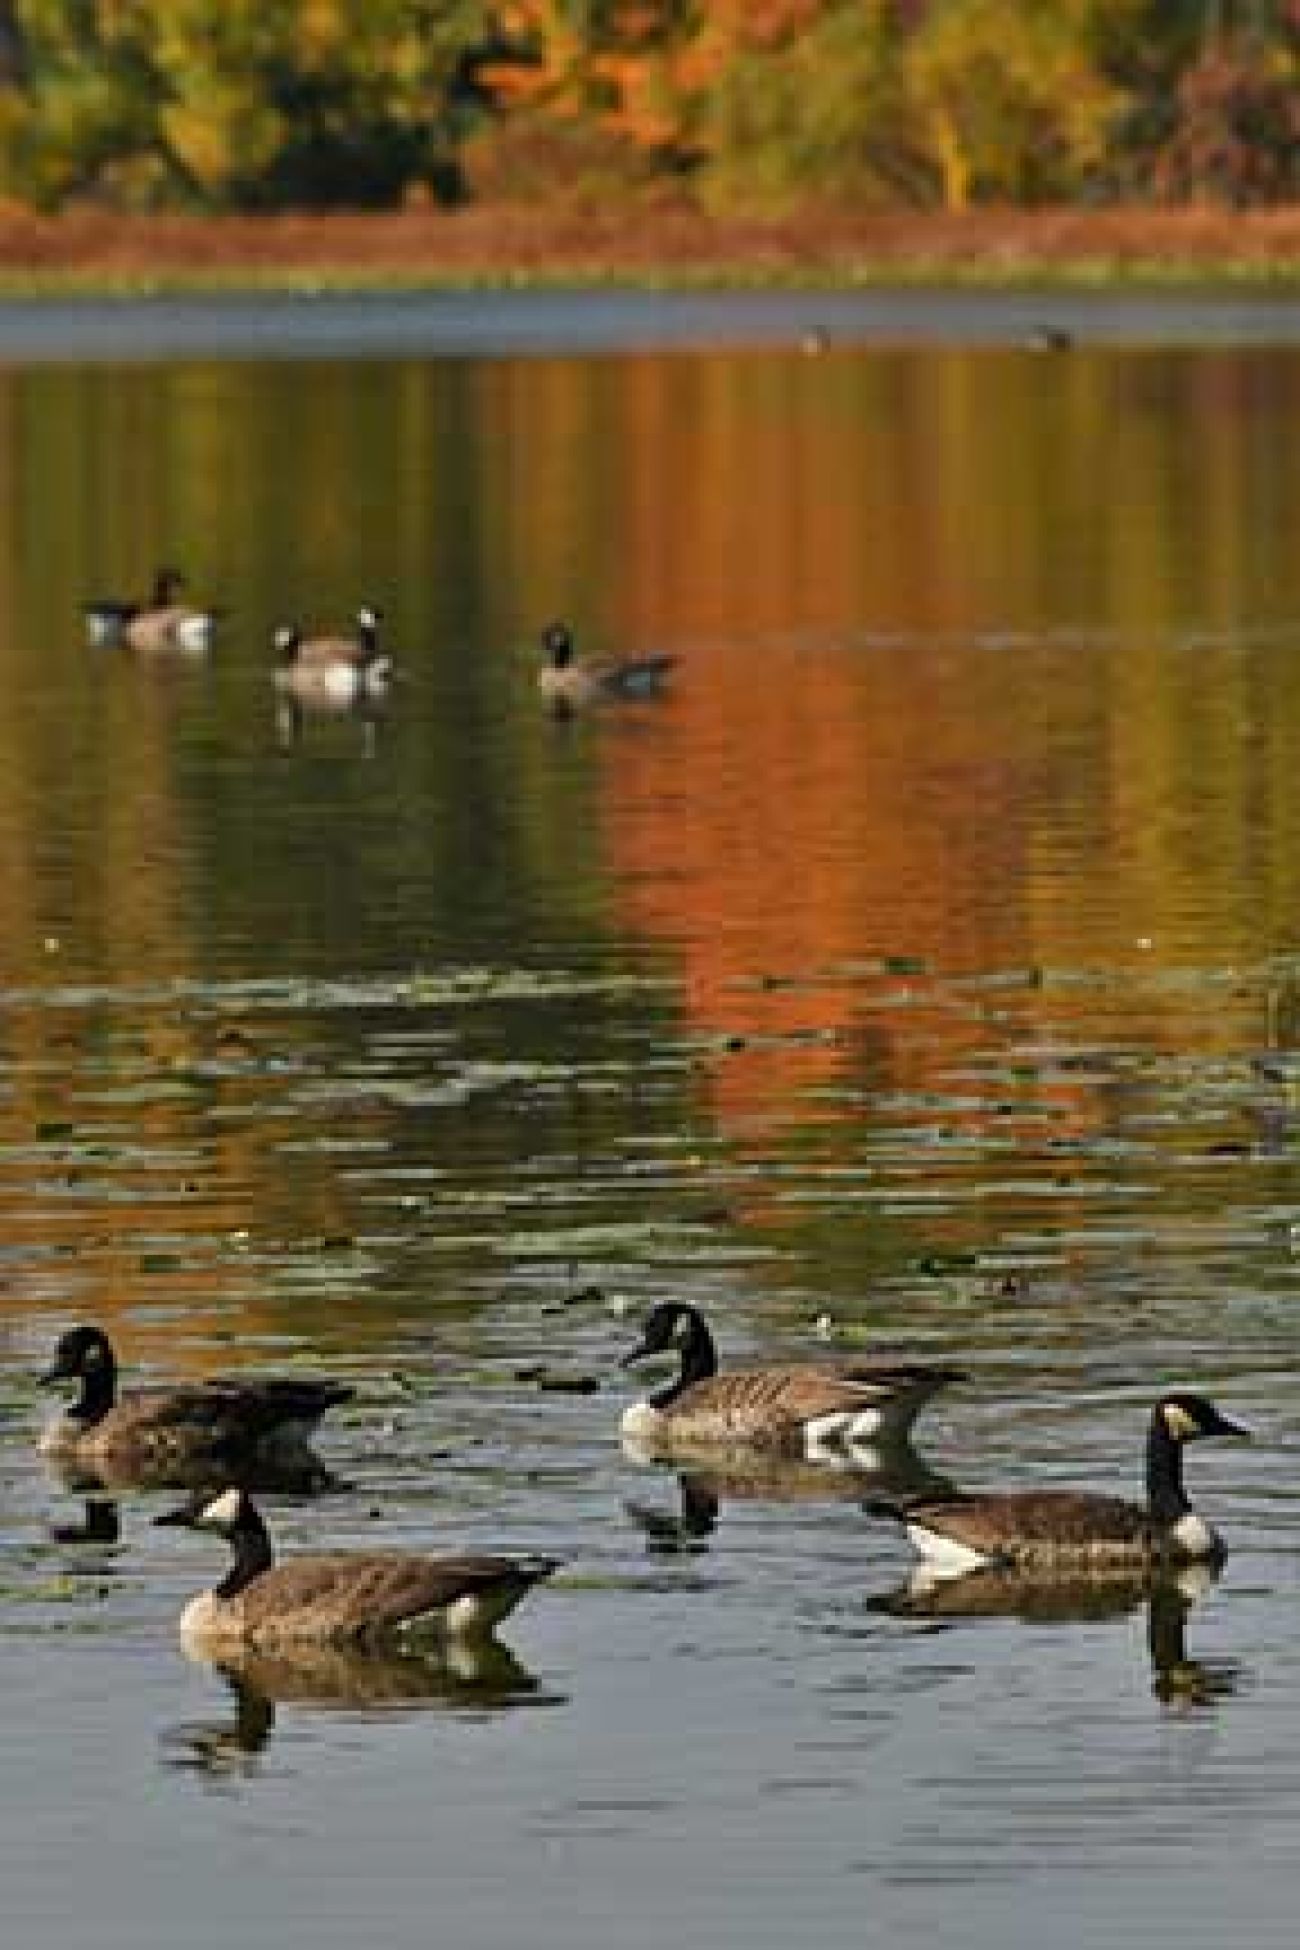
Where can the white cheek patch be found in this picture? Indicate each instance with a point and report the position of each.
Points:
(1178, 1422)
(223, 1512)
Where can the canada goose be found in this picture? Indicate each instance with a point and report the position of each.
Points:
(823, 1412)
(163, 622)
(355, 1596)
(1043, 337)
(1073, 1531)
(568, 684)
(334, 671)
(167, 623)
(200, 1431)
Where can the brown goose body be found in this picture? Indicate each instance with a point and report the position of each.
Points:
(158, 629)
(355, 1596)
(817, 1411)
(1079, 1532)
(197, 1432)
(1031, 1529)
(344, 1596)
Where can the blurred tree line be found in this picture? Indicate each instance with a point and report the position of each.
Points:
(263, 104)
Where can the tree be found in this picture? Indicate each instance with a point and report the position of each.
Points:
(800, 102)
(1011, 100)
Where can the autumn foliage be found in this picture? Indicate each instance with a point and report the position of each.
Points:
(725, 104)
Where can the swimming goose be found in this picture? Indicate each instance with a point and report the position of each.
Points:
(334, 671)
(568, 684)
(205, 1430)
(161, 623)
(1077, 1531)
(343, 1596)
(822, 1412)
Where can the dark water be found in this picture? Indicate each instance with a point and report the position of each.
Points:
(925, 966)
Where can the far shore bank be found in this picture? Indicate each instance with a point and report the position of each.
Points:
(660, 246)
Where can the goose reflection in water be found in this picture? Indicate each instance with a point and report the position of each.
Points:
(462, 1677)
(1177, 1680)
(750, 1476)
(304, 1475)
(100, 1523)
(366, 714)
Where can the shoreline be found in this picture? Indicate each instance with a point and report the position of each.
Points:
(662, 247)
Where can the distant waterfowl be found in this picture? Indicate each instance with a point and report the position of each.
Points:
(197, 1432)
(568, 683)
(1049, 338)
(822, 1412)
(163, 622)
(334, 672)
(355, 1597)
(1077, 1531)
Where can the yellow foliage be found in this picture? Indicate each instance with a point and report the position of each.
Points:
(222, 134)
(1008, 94)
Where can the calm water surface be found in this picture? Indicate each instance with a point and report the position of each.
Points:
(926, 965)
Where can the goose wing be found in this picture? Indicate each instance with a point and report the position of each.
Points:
(263, 1404)
(198, 1408)
(638, 677)
(1052, 1522)
(225, 1410)
(768, 1403)
(374, 1592)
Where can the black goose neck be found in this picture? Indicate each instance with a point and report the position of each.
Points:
(98, 1389)
(698, 1359)
(251, 1547)
(1166, 1497)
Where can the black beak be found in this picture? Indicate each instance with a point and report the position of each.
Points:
(641, 1352)
(51, 1375)
(182, 1519)
(1224, 1427)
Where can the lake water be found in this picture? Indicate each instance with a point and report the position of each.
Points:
(921, 973)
